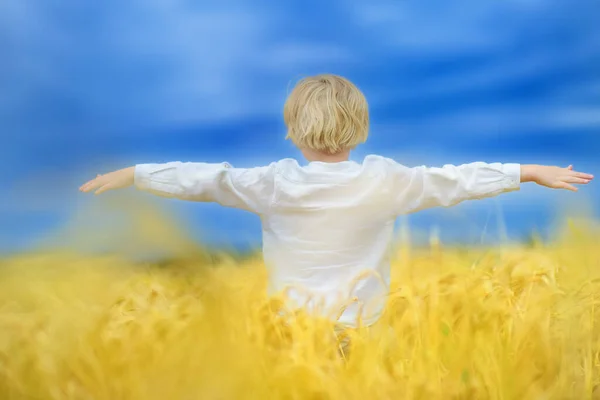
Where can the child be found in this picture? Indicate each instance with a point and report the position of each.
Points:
(327, 226)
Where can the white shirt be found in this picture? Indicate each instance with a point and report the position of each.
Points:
(327, 227)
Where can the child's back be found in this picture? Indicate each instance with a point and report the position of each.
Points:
(327, 227)
(328, 224)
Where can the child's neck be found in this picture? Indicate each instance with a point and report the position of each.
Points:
(313, 155)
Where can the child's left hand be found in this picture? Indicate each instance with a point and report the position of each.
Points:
(114, 180)
(554, 177)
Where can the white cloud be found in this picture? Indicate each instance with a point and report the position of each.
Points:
(206, 53)
(290, 55)
(576, 118)
(165, 62)
(174, 62)
(437, 27)
(204, 59)
(494, 120)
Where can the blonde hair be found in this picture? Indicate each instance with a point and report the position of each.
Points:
(326, 113)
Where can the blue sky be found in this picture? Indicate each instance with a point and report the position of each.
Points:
(87, 87)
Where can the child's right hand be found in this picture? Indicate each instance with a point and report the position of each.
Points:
(114, 180)
(554, 177)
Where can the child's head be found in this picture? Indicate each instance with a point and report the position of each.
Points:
(326, 114)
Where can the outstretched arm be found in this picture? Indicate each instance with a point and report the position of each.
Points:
(423, 187)
(250, 189)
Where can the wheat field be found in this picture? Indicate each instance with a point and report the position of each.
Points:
(514, 322)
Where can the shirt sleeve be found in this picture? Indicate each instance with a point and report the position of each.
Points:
(424, 187)
(250, 189)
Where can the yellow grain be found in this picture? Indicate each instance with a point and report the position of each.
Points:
(509, 323)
